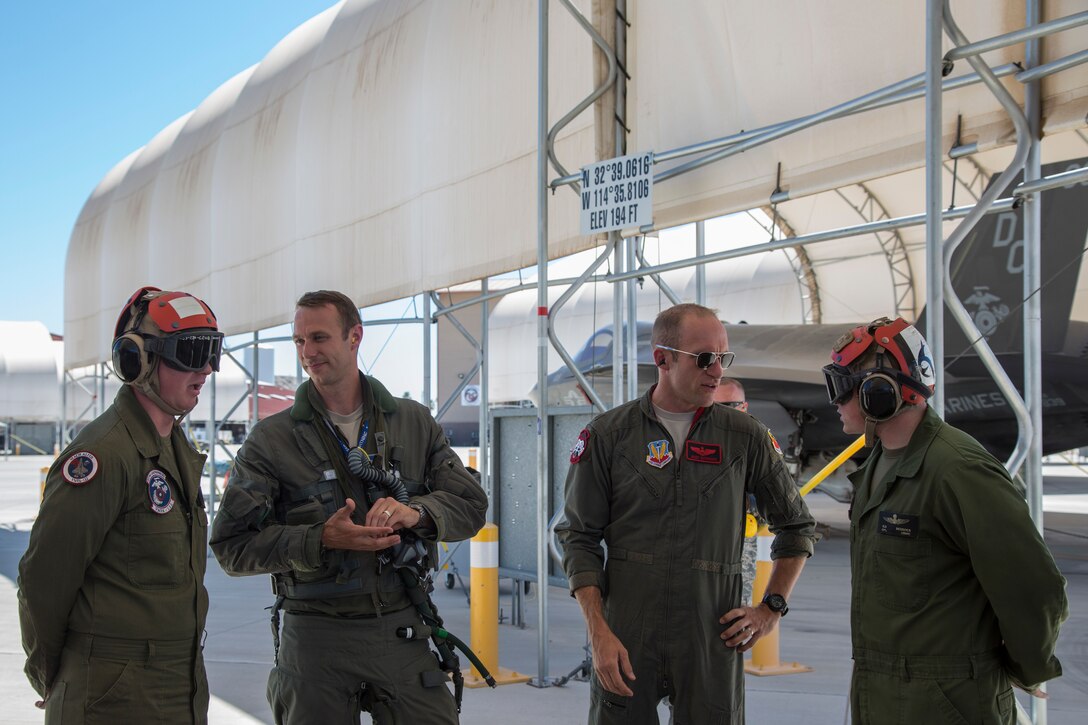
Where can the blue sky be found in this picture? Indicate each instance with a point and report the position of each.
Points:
(85, 84)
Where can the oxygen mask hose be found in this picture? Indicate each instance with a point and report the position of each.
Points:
(409, 561)
(360, 465)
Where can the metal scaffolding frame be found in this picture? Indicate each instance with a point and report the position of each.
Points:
(629, 263)
(938, 250)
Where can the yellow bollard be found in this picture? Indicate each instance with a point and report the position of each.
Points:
(765, 652)
(44, 475)
(484, 609)
(764, 659)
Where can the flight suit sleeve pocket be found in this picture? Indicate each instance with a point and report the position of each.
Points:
(238, 504)
(901, 572)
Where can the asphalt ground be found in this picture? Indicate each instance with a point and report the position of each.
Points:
(816, 633)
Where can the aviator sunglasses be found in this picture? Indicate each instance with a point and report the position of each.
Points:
(704, 359)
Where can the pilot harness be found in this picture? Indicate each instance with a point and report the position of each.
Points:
(409, 559)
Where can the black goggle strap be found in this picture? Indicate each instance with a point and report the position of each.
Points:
(840, 382)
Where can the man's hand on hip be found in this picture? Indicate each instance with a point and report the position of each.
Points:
(747, 625)
(340, 532)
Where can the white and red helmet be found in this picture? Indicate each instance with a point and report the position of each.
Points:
(902, 373)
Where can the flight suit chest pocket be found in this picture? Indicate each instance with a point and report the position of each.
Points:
(721, 477)
(900, 570)
(158, 548)
(635, 486)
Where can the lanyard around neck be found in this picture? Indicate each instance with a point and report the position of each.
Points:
(364, 432)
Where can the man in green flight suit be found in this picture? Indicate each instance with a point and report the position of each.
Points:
(664, 481)
(955, 596)
(111, 589)
(298, 509)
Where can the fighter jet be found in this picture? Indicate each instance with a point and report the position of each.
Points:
(779, 365)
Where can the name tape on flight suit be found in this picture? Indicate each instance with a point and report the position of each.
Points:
(897, 524)
(697, 452)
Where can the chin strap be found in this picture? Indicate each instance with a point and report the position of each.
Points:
(147, 385)
(870, 432)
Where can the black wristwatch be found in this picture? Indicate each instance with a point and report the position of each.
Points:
(776, 603)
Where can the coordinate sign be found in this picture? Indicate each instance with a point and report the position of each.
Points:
(617, 193)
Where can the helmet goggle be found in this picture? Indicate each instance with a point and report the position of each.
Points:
(841, 382)
(189, 351)
(881, 390)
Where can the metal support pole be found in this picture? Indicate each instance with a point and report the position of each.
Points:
(700, 269)
(100, 403)
(255, 414)
(427, 349)
(543, 477)
(1033, 307)
(619, 148)
(934, 201)
(1029, 33)
(630, 339)
(485, 432)
(619, 264)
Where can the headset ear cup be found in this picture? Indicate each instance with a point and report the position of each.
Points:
(878, 397)
(129, 358)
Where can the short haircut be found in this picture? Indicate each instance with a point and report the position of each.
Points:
(732, 381)
(345, 308)
(668, 324)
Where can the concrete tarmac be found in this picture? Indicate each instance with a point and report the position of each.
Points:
(238, 652)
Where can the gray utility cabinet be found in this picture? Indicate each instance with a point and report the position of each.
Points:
(514, 482)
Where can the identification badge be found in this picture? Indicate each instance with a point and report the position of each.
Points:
(703, 452)
(904, 526)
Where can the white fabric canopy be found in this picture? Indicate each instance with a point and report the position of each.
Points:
(30, 373)
(387, 147)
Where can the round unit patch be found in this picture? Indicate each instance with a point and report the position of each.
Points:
(579, 447)
(774, 442)
(158, 490)
(80, 468)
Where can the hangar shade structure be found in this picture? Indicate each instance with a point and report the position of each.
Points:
(388, 147)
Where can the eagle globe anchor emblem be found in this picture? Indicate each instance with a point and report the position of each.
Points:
(989, 313)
